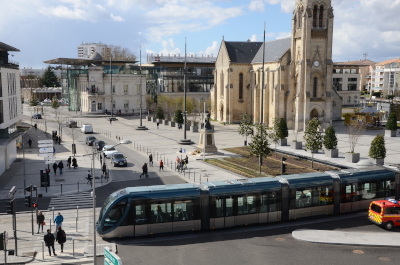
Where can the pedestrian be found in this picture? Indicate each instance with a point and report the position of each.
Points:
(161, 165)
(158, 124)
(106, 111)
(74, 164)
(61, 238)
(61, 166)
(150, 160)
(35, 126)
(69, 162)
(133, 112)
(144, 170)
(30, 142)
(81, 114)
(58, 220)
(89, 178)
(49, 240)
(54, 150)
(59, 139)
(101, 159)
(110, 120)
(55, 166)
(104, 169)
(40, 221)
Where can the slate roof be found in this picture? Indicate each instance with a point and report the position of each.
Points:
(355, 63)
(273, 50)
(242, 52)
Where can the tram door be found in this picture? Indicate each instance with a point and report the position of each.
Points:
(141, 221)
(350, 198)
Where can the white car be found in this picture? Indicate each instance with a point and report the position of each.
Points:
(108, 150)
(87, 128)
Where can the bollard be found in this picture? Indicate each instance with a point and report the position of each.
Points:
(76, 223)
(61, 188)
(42, 249)
(78, 186)
(184, 174)
(207, 179)
(50, 222)
(53, 212)
(77, 213)
(73, 247)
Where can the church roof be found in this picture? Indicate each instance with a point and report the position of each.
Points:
(242, 52)
(355, 63)
(273, 50)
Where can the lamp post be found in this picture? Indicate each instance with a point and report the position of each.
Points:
(111, 84)
(140, 127)
(262, 83)
(251, 91)
(94, 197)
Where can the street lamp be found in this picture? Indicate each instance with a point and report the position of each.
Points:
(94, 196)
(141, 127)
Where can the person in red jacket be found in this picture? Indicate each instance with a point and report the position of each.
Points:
(161, 165)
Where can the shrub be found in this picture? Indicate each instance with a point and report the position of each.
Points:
(282, 129)
(378, 149)
(160, 113)
(377, 94)
(391, 122)
(178, 116)
(330, 139)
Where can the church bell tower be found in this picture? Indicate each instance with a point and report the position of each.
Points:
(311, 62)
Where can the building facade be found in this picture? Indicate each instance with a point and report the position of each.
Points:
(85, 50)
(10, 107)
(385, 77)
(296, 82)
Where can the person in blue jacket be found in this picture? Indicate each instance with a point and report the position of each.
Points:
(58, 220)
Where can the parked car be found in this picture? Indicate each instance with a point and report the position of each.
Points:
(72, 124)
(108, 150)
(87, 128)
(98, 145)
(36, 116)
(90, 140)
(118, 159)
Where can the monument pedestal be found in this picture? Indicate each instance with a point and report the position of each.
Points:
(209, 142)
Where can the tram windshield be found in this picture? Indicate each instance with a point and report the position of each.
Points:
(107, 203)
(115, 213)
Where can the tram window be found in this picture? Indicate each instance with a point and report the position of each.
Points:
(161, 213)
(246, 204)
(263, 203)
(229, 206)
(387, 189)
(350, 193)
(368, 191)
(301, 198)
(116, 213)
(140, 218)
(183, 210)
(217, 205)
(315, 196)
(325, 196)
(274, 201)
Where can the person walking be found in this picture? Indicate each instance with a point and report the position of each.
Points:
(158, 124)
(89, 178)
(101, 159)
(61, 238)
(30, 142)
(40, 221)
(58, 220)
(49, 240)
(177, 162)
(69, 162)
(55, 166)
(110, 120)
(104, 169)
(161, 165)
(74, 164)
(144, 170)
(150, 160)
(61, 166)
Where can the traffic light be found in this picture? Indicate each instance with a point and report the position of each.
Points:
(35, 205)
(28, 202)
(283, 166)
(11, 207)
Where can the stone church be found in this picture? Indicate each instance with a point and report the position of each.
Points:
(297, 74)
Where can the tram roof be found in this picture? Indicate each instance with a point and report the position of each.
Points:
(158, 188)
(315, 179)
(243, 186)
(364, 175)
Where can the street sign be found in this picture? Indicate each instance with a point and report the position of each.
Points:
(50, 158)
(46, 150)
(45, 142)
(45, 154)
(49, 162)
(45, 145)
(111, 258)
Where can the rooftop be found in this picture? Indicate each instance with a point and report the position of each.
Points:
(355, 63)
(8, 48)
(389, 61)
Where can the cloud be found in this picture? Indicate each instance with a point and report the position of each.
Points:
(253, 38)
(257, 5)
(117, 18)
(287, 6)
(213, 49)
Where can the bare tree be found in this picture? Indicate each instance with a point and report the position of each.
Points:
(355, 130)
(118, 53)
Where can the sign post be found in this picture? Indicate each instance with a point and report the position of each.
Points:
(111, 258)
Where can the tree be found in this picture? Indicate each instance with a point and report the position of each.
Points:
(355, 130)
(259, 145)
(34, 101)
(118, 53)
(246, 127)
(54, 103)
(281, 128)
(178, 116)
(149, 102)
(392, 122)
(160, 113)
(330, 139)
(378, 149)
(273, 135)
(313, 138)
(49, 78)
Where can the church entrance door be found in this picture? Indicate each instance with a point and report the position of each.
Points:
(314, 114)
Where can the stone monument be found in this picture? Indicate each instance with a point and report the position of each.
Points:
(209, 137)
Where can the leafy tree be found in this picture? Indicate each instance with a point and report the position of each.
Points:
(313, 138)
(281, 128)
(259, 145)
(49, 78)
(54, 103)
(273, 135)
(160, 113)
(246, 127)
(392, 122)
(34, 101)
(330, 139)
(178, 116)
(378, 149)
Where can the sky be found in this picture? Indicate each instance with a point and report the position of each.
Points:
(48, 29)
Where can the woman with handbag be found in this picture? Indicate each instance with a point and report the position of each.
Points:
(40, 221)
(61, 237)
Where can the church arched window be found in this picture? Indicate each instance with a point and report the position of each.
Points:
(315, 87)
(222, 84)
(315, 15)
(321, 16)
(300, 16)
(240, 86)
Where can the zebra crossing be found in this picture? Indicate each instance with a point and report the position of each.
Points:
(70, 201)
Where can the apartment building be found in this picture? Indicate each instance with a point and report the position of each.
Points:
(385, 77)
(85, 50)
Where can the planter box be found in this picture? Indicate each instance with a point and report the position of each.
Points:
(331, 153)
(165, 122)
(194, 129)
(148, 118)
(352, 158)
(283, 142)
(296, 145)
(172, 124)
(378, 161)
(154, 119)
(393, 133)
(313, 152)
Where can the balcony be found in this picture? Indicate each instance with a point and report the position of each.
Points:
(9, 64)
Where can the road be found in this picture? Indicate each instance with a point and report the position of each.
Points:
(270, 244)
